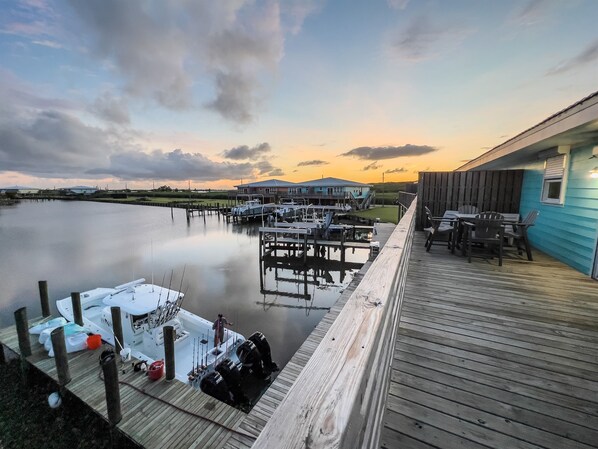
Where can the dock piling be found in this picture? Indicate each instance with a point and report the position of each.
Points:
(77, 312)
(117, 328)
(60, 356)
(169, 351)
(43, 297)
(111, 386)
(23, 331)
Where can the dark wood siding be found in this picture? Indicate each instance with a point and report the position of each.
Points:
(498, 190)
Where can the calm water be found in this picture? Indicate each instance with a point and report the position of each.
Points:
(77, 246)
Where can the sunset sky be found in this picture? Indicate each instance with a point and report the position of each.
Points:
(107, 92)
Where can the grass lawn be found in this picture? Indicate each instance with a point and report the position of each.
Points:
(386, 214)
(161, 200)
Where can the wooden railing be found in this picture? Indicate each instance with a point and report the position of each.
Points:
(338, 399)
(404, 201)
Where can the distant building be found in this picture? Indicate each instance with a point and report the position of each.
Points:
(81, 190)
(317, 191)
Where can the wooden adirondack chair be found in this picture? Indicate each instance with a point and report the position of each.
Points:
(485, 229)
(519, 232)
(440, 228)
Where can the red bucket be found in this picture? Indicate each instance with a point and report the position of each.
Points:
(156, 370)
(94, 341)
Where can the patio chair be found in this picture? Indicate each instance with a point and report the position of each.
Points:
(440, 227)
(467, 209)
(519, 233)
(487, 230)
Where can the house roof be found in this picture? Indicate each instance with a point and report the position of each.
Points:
(269, 183)
(333, 182)
(575, 125)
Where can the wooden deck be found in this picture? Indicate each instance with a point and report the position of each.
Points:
(498, 357)
(182, 417)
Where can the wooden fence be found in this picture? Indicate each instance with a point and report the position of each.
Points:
(338, 399)
(496, 190)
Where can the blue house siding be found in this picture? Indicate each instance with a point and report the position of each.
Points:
(567, 232)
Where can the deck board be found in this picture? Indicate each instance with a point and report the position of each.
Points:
(490, 356)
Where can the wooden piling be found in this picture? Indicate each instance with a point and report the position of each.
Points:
(169, 351)
(60, 356)
(23, 331)
(117, 328)
(43, 297)
(77, 312)
(112, 391)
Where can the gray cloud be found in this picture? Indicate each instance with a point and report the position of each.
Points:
(266, 168)
(174, 165)
(372, 166)
(314, 162)
(587, 56)
(396, 170)
(397, 4)
(244, 152)
(160, 48)
(423, 39)
(111, 109)
(379, 153)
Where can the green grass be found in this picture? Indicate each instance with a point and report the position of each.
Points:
(386, 214)
(162, 200)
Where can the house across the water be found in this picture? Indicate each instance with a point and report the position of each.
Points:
(559, 159)
(323, 191)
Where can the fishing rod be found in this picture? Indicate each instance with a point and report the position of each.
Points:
(167, 296)
(159, 296)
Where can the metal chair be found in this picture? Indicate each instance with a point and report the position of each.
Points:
(440, 227)
(485, 229)
(519, 233)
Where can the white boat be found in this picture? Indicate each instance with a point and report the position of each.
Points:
(249, 207)
(145, 310)
(290, 209)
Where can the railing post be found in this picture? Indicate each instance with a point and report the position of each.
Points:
(111, 386)
(43, 297)
(117, 329)
(169, 351)
(60, 356)
(77, 312)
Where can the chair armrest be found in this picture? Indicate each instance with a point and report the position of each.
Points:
(468, 224)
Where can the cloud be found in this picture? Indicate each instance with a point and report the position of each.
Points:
(48, 43)
(397, 4)
(396, 170)
(266, 168)
(244, 152)
(166, 50)
(294, 12)
(314, 162)
(423, 39)
(379, 153)
(111, 109)
(587, 56)
(532, 13)
(174, 165)
(372, 166)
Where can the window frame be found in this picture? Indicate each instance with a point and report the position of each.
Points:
(551, 178)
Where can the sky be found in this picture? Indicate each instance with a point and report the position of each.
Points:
(211, 94)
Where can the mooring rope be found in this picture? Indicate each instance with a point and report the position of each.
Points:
(189, 412)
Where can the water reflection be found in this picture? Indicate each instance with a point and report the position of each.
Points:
(78, 246)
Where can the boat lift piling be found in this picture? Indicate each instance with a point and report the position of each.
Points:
(43, 297)
(169, 352)
(60, 356)
(77, 312)
(117, 329)
(23, 331)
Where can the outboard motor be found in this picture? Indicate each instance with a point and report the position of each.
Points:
(262, 345)
(214, 385)
(232, 376)
(251, 359)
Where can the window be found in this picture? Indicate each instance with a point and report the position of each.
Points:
(554, 179)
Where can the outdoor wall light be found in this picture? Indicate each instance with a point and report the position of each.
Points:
(594, 172)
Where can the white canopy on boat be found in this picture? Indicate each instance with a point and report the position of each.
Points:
(141, 299)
